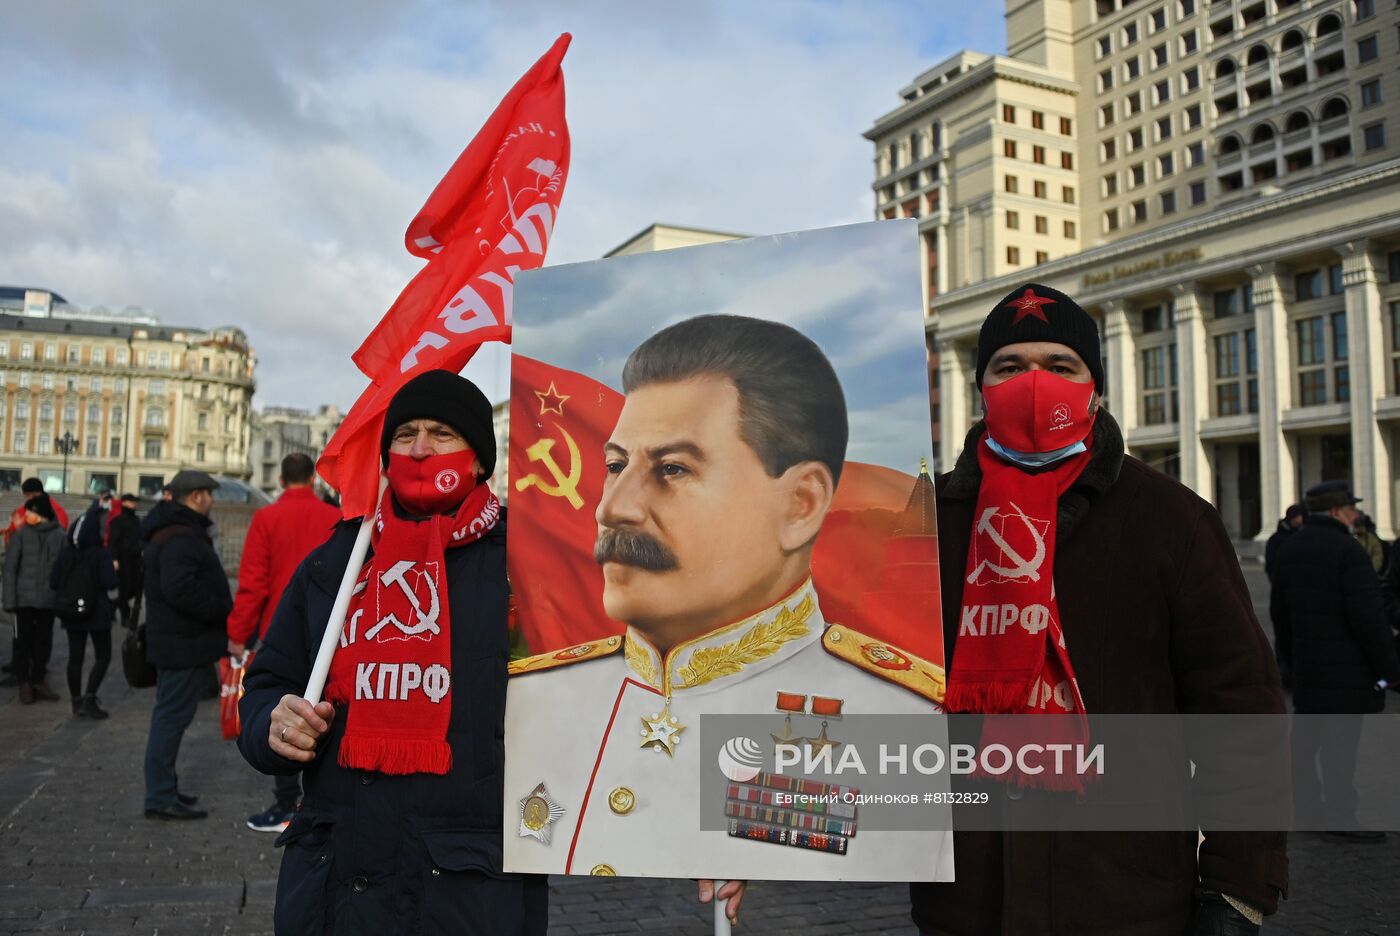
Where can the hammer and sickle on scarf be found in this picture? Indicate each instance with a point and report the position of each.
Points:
(426, 620)
(1023, 568)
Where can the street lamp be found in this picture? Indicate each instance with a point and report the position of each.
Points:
(67, 445)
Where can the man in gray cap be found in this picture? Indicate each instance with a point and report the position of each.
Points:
(187, 604)
(1327, 611)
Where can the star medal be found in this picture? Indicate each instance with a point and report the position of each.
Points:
(662, 731)
(538, 813)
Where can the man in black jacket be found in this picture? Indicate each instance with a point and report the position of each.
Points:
(187, 604)
(399, 830)
(124, 543)
(1332, 633)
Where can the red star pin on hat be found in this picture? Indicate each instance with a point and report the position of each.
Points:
(1030, 305)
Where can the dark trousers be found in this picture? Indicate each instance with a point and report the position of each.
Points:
(288, 790)
(101, 659)
(177, 698)
(33, 643)
(1325, 746)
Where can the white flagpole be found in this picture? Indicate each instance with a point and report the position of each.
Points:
(321, 669)
(722, 927)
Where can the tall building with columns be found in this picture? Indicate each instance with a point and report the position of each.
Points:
(1214, 182)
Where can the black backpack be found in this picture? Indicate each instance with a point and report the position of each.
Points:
(76, 599)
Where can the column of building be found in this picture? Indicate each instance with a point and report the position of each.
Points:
(1193, 391)
(1120, 355)
(1372, 466)
(1278, 470)
(952, 401)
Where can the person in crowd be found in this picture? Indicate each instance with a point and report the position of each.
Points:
(82, 579)
(124, 542)
(187, 605)
(1147, 613)
(30, 488)
(1292, 520)
(27, 594)
(400, 827)
(280, 536)
(1327, 609)
(1377, 549)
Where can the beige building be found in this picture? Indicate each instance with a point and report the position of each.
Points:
(667, 236)
(279, 431)
(138, 399)
(1214, 182)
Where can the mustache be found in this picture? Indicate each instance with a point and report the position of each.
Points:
(629, 547)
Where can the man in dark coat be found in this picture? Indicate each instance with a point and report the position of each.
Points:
(124, 543)
(1156, 619)
(187, 603)
(1292, 520)
(400, 838)
(1328, 613)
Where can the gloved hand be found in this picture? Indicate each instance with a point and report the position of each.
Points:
(1212, 915)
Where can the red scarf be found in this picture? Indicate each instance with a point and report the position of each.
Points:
(395, 656)
(1011, 656)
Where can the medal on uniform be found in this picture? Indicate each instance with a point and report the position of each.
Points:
(538, 813)
(661, 732)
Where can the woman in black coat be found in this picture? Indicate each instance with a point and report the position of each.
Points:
(84, 555)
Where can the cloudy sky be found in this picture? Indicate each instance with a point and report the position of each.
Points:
(256, 163)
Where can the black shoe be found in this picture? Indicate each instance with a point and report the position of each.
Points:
(78, 706)
(91, 709)
(1357, 837)
(177, 810)
(43, 693)
(189, 799)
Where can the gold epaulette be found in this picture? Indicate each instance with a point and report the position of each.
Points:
(593, 650)
(886, 661)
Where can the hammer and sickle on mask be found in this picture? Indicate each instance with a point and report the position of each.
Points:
(564, 485)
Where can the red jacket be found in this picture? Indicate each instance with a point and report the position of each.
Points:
(279, 538)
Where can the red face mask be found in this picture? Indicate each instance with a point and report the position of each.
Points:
(1038, 412)
(432, 485)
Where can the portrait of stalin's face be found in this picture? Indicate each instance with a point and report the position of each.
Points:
(720, 471)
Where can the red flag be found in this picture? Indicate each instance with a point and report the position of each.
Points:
(559, 422)
(490, 217)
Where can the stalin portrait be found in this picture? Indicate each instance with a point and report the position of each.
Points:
(720, 472)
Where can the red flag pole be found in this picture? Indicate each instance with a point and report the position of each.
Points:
(321, 669)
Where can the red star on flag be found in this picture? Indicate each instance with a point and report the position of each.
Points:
(551, 400)
(1030, 305)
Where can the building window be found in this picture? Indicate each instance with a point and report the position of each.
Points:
(1042, 256)
(1160, 404)
(50, 352)
(1070, 231)
(45, 444)
(1110, 150)
(1066, 160)
(1013, 256)
(120, 384)
(98, 356)
(1008, 149)
(1110, 219)
(165, 359)
(1323, 353)
(114, 448)
(4, 350)
(1132, 68)
(155, 418)
(152, 449)
(1168, 202)
(1341, 372)
(1067, 194)
(22, 408)
(1011, 184)
(1066, 126)
(1307, 285)
(1334, 280)
(1134, 139)
(1138, 174)
(1106, 115)
(1190, 79)
(1166, 165)
(1038, 154)
(1162, 92)
(1008, 114)
(74, 354)
(151, 359)
(202, 421)
(119, 356)
(1039, 188)
(199, 451)
(1106, 80)
(21, 440)
(1371, 93)
(1393, 262)
(1187, 8)
(46, 411)
(1159, 55)
(1110, 185)
(70, 413)
(155, 387)
(1132, 104)
(1013, 220)
(1367, 50)
(1195, 154)
(117, 415)
(1158, 318)
(1130, 34)
(1374, 136)
(26, 351)
(1189, 43)
(94, 413)
(1042, 224)
(1395, 349)
(1164, 128)
(1365, 9)
(1198, 192)
(1037, 120)
(90, 447)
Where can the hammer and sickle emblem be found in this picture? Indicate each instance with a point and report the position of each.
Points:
(426, 620)
(1022, 568)
(565, 485)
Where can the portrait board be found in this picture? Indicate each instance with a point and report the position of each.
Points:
(719, 505)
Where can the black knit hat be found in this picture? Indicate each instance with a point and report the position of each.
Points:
(450, 399)
(1032, 312)
(32, 486)
(42, 506)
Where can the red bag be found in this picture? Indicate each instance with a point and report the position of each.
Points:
(231, 670)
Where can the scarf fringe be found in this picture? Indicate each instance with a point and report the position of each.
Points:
(988, 698)
(395, 755)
